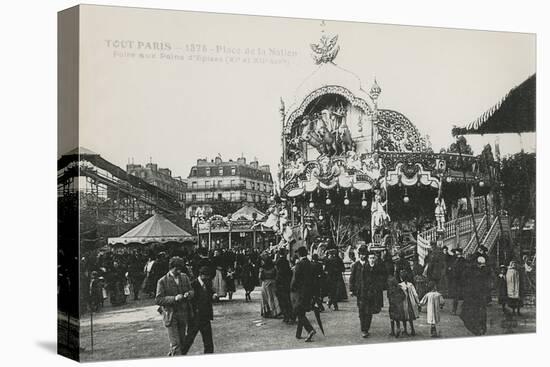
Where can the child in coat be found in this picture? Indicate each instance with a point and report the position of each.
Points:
(396, 296)
(410, 304)
(434, 302)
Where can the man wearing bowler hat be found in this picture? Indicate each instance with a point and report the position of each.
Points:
(203, 312)
(366, 283)
(301, 288)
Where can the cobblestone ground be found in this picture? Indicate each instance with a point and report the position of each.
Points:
(136, 331)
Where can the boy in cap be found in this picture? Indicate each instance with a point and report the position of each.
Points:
(203, 312)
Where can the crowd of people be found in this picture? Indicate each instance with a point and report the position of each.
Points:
(186, 284)
(124, 274)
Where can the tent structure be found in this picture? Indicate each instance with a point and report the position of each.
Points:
(515, 113)
(247, 213)
(155, 229)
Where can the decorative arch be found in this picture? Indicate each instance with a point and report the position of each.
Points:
(397, 133)
(330, 89)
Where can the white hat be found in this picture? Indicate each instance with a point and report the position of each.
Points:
(481, 260)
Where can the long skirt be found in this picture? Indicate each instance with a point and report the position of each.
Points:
(230, 284)
(218, 284)
(270, 303)
(474, 316)
(341, 289)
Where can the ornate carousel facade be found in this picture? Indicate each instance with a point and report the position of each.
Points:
(353, 173)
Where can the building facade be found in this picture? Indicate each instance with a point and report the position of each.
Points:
(224, 186)
(161, 178)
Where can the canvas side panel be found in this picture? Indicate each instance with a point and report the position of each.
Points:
(68, 323)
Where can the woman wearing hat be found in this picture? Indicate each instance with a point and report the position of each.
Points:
(270, 302)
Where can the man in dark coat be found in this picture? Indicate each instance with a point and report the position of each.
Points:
(282, 281)
(474, 308)
(366, 284)
(302, 293)
(318, 281)
(436, 265)
(456, 279)
(203, 312)
(334, 267)
(173, 295)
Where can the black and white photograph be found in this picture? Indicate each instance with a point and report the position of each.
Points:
(277, 183)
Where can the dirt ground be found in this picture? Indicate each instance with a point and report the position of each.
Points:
(136, 331)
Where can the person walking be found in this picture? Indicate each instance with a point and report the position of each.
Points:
(248, 278)
(203, 312)
(301, 293)
(410, 304)
(474, 308)
(270, 304)
(282, 283)
(334, 267)
(173, 295)
(434, 302)
(396, 296)
(366, 284)
(513, 287)
(502, 288)
(318, 281)
(456, 279)
(149, 283)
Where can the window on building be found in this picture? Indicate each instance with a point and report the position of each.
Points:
(232, 183)
(193, 172)
(193, 197)
(194, 185)
(265, 187)
(208, 171)
(233, 171)
(207, 184)
(220, 171)
(220, 197)
(220, 183)
(207, 196)
(244, 183)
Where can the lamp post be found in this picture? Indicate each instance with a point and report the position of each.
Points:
(209, 234)
(254, 233)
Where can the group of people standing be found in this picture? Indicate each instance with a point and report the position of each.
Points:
(276, 277)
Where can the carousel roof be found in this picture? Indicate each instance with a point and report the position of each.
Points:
(327, 75)
(155, 229)
(248, 213)
(515, 113)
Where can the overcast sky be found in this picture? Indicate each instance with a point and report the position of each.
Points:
(176, 111)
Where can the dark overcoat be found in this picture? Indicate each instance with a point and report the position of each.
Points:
(301, 286)
(367, 284)
(457, 278)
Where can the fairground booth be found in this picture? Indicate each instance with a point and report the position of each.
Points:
(355, 173)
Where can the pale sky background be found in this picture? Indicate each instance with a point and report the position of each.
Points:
(178, 111)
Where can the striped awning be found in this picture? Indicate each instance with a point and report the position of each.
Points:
(514, 113)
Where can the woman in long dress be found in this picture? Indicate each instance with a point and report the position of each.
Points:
(218, 283)
(270, 303)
